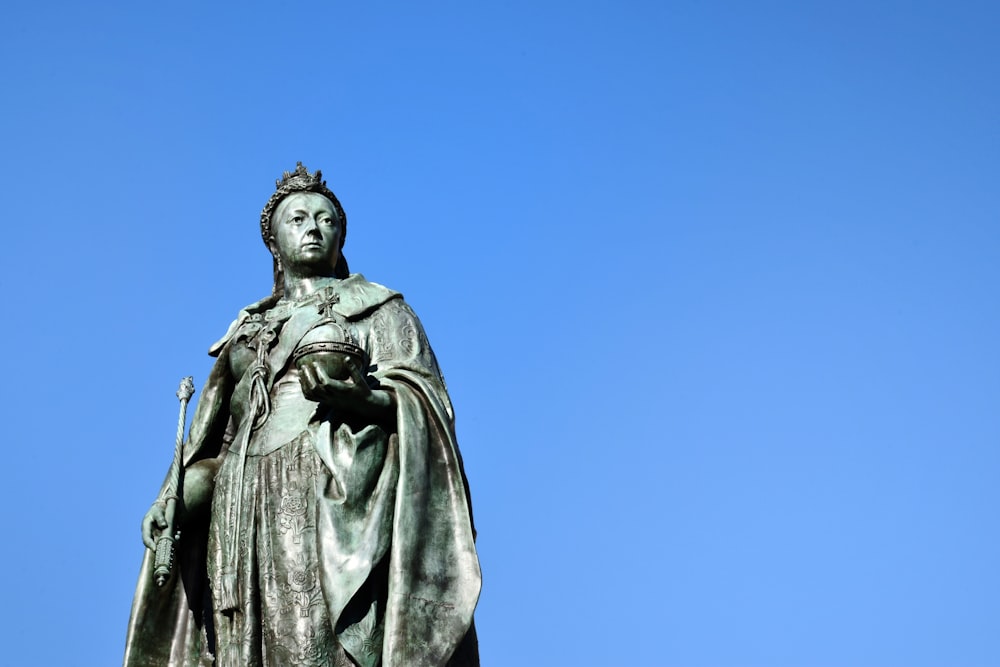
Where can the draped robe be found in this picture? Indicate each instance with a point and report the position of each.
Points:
(396, 576)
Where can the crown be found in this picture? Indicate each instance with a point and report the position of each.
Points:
(299, 181)
(300, 178)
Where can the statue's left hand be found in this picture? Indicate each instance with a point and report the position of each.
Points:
(353, 395)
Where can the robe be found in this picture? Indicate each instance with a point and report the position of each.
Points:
(396, 575)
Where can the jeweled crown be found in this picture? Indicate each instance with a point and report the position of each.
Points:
(300, 177)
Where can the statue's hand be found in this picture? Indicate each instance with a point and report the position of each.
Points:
(153, 524)
(352, 395)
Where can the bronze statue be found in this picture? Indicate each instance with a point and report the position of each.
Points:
(323, 510)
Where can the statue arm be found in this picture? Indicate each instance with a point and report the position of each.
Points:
(354, 394)
(396, 340)
(208, 440)
(199, 480)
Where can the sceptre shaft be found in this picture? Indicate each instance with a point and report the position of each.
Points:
(164, 558)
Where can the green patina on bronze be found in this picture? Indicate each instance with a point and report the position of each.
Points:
(323, 507)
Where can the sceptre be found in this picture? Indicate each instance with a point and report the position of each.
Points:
(163, 561)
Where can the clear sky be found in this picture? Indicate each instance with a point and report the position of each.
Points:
(714, 286)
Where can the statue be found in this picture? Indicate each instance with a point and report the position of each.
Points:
(322, 506)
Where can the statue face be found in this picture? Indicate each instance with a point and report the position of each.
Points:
(306, 234)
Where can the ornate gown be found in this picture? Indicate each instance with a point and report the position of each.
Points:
(331, 541)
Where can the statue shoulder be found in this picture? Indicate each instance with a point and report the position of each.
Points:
(256, 307)
(360, 297)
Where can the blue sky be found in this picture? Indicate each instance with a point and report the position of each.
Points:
(713, 285)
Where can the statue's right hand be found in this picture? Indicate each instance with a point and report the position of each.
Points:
(152, 524)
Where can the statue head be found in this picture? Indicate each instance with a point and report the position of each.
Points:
(291, 183)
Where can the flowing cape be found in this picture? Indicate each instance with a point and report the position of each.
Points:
(429, 560)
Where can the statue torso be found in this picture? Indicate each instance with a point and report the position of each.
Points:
(261, 354)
